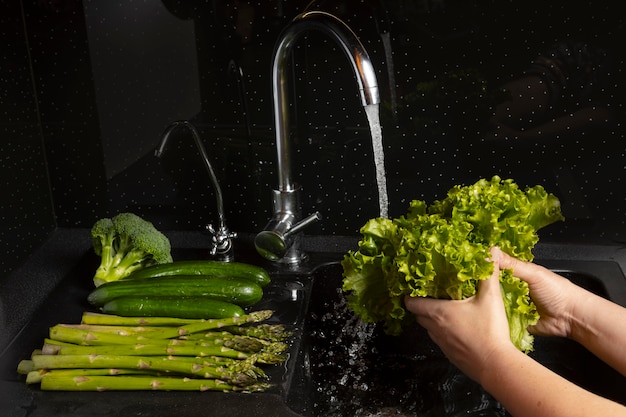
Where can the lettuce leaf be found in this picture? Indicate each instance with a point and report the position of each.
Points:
(442, 251)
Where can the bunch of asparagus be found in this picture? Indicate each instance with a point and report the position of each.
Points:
(107, 352)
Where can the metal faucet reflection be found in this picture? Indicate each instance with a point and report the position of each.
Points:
(222, 238)
(279, 241)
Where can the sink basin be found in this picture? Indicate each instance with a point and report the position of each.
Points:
(354, 369)
(337, 366)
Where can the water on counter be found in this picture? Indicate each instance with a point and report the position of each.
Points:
(373, 117)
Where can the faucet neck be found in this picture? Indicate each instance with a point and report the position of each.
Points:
(279, 241)
(354, 51)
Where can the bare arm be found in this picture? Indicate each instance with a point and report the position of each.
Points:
(525, 387)
(568, 310)
(528, 389)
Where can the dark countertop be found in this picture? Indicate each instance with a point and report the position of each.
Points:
(26, 295)
(52, 287)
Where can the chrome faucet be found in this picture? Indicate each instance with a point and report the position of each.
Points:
(279, 241)
(222, 238)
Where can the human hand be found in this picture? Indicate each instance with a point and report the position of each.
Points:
(554, 296)
(468, 331)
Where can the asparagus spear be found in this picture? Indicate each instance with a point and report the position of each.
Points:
(134, 383)
(190, 349)
(265, 331)
(103, 349)
(113, 320)
(109, 328)
(109, 319)
(25, 366)
(253, 317)
(232, 340)
(153, 363)
(35, 377)
(68, 336)
(72, 335)
(79, 336)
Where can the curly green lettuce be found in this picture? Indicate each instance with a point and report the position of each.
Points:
(442, 251)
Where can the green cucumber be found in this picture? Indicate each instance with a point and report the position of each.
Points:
(238, 291)
(205, 267)
(177, 307)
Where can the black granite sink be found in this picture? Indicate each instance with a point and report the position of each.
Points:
(337, 366)
(354, 369)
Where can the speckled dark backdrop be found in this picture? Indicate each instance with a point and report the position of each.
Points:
(87, 87)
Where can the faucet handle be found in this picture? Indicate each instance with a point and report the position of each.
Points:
(222, 242)
(302, 224)
(273, 244)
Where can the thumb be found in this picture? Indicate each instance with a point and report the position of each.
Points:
(488, 287)
(420, 305)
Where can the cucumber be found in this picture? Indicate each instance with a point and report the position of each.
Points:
(178, 307)
(253, 273)
(238, 291)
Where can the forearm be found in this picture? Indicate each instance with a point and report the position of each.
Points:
(528, 389)
(598, 325)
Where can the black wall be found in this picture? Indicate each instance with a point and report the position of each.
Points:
(87, 88)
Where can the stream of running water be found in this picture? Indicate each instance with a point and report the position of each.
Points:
(372, 112)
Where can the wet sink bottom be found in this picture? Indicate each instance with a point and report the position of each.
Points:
(354, 369)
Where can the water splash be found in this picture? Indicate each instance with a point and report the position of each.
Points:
(373, 117)
(357, 370)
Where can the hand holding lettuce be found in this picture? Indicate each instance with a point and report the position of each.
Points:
(442, 251)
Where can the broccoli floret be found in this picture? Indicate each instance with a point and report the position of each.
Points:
(126, 243)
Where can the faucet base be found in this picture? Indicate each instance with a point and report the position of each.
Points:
(280, 239)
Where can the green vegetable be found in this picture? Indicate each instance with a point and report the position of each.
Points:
(231, 346)
(184, 326)
(53, 381)
(90, 318)
(127, 243)
(442, 251)
(270, 332)
(253, 273)
(233, 290)
(155, 363)
(163, 327)
(182, 307)
(170, 354)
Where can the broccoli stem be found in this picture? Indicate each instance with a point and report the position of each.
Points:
(106, 260)
(130, 260)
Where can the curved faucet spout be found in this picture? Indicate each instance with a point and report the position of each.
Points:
(280, 238)
(354, 51)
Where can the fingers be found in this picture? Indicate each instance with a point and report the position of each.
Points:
(425, 308)
(421, 306)
(488, 287)
(504, 260)
(526, 271)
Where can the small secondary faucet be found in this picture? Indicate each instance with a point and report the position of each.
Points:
(279, 241)
(222, 238)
